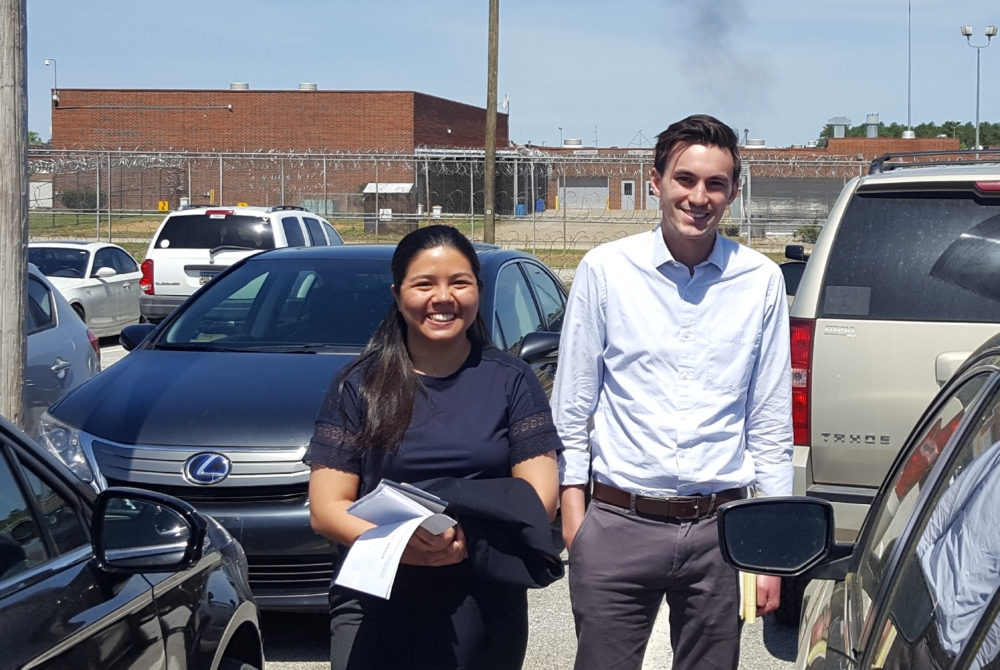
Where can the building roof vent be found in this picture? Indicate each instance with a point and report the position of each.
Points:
(811, 144)
(239, 86)
(305, 86)
(755, 144)
(910, 135)
(839, 123)
(871, 126)
(571, 143)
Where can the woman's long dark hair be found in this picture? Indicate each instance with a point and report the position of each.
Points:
(389, 385)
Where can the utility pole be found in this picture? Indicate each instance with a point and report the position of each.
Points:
(489, 179)
(13, 207)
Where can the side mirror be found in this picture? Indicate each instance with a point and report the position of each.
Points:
(132, 336)
(538, 345)
(778, 536)
(792, 271)
(104, 273)
(796, 252)
(143, 531)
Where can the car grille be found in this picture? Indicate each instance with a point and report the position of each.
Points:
(291, 494)
(285, 572)
(254, 469)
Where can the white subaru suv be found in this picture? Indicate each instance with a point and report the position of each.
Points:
(193, 245)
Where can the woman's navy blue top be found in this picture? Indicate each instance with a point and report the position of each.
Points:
(478, 422)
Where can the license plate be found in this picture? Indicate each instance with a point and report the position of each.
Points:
(207, 277)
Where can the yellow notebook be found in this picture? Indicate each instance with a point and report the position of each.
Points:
(748, 596)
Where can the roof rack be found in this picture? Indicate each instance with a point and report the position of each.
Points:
(281, 208)
(878, 165)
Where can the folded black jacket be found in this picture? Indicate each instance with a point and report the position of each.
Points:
(507, 530)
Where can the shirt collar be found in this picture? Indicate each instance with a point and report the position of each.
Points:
(662, 255)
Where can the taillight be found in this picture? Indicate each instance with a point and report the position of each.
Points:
(96, 344)
(988, 186)
(802, 331)
(926, 454)
(146, 283)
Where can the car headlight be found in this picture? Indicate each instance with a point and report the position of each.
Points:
(63, 440)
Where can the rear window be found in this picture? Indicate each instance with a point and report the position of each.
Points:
(59, 262)
(208, 231)
(916, 257)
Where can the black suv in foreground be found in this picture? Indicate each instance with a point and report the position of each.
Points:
(121, 580)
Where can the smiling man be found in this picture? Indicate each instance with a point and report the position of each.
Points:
(675, 345)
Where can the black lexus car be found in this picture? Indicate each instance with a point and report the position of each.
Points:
(216, 406)
(120, 580)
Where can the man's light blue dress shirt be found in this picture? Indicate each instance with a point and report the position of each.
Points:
(687, 378)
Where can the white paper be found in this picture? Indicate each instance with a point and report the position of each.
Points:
(437, 523)
(392, 503)
(371, 564)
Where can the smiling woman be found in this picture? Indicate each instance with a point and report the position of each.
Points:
(430, 398)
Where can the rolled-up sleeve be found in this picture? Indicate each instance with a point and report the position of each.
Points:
(580, 372)
(769, 400)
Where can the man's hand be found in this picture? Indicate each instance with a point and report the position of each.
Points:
(427, 549)
(768, 594)
(573, 507)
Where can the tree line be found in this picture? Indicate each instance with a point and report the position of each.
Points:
(989, 133)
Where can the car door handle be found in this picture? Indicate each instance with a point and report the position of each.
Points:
(947, 363)
(60, 367)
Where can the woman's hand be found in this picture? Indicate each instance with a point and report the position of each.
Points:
(427, 549)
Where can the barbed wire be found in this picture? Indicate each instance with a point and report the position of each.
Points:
(569, 200)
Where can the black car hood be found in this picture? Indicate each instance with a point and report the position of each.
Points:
(210, 399)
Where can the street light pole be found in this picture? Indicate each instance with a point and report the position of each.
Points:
(489, 178)
(991, 32)
(13, 208)
(55, 75)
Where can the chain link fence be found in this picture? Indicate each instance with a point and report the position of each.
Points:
(556, 205)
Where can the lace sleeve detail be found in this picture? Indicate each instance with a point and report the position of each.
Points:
(533, 436)
(333, 447)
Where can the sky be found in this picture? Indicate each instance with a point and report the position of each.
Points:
(615, 73)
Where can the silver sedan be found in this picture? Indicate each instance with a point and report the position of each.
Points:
(99, 280)
(62, 352)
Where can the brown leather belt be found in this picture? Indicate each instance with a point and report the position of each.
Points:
(677, 507)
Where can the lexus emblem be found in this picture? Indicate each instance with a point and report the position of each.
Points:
(207, 468)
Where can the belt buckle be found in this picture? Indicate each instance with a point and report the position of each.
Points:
(686, 506)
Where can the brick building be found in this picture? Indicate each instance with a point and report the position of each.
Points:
(617, 179)
(251, 121)
(244, 128)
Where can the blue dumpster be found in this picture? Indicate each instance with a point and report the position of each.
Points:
(519, 209)
(540, 205)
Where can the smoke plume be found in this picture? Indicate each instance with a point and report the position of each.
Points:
(705, 39)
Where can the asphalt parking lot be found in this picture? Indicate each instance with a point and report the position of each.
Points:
(301, 642)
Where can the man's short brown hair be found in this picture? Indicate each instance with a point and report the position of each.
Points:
(698, 129)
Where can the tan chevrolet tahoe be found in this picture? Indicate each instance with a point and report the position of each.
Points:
(902, 285)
